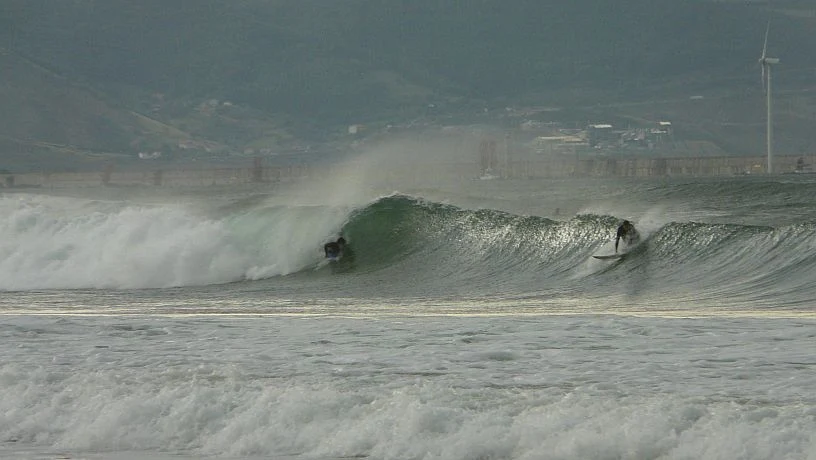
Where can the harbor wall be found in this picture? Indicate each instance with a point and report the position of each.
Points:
(551, 167)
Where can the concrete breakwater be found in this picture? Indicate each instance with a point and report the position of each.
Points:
(553, 167)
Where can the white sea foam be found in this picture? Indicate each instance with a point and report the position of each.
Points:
(715, 361)
(51, 243)
(456, 388)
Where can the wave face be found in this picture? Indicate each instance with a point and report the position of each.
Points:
(403, 246)
(452, 251)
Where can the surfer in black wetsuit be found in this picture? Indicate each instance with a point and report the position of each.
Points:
(627, 233)
(335, 249)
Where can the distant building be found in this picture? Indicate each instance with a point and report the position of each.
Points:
(355, 129)
(487, 155)
(601, 134)
(555, 145)
(664, 127)
(662, 133)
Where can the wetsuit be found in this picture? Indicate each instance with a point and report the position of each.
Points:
(627, 232)
(334, 248)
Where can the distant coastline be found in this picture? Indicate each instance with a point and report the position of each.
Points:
(552, 167)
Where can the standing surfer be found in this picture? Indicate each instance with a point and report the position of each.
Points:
(627, 233)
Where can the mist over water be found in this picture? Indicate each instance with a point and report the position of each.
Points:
(90, 244)
(511, 245)
(468, 321)
(467, 318)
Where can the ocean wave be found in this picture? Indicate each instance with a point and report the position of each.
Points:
(402, 245)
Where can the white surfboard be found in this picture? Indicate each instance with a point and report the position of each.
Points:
(610, 256)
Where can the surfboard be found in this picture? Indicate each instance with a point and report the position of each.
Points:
(610, 257)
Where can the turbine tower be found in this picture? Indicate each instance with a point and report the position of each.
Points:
(766, 62)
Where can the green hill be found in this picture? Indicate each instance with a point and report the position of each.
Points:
(117, 77)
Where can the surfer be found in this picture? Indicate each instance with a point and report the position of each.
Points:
(627, 233)
(334, 249)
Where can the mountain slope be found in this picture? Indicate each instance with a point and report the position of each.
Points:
(117, 75)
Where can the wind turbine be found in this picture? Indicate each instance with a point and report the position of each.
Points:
(766, 62)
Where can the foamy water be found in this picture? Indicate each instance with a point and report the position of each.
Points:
(211, 328)
(448, 386)
(53, 243)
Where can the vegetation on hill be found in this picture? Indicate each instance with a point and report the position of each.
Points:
(117, 76)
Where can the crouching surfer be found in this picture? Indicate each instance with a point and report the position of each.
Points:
(334, 249)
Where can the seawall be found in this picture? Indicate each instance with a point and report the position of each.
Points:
(553, 166)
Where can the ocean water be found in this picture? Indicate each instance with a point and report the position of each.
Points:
(470, 321)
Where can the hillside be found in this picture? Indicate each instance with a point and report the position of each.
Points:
(49, 117)
(119, 77)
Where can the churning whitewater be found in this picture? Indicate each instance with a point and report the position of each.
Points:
(64, 243)
(468, 321)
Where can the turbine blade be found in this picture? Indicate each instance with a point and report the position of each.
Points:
(765, 45)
